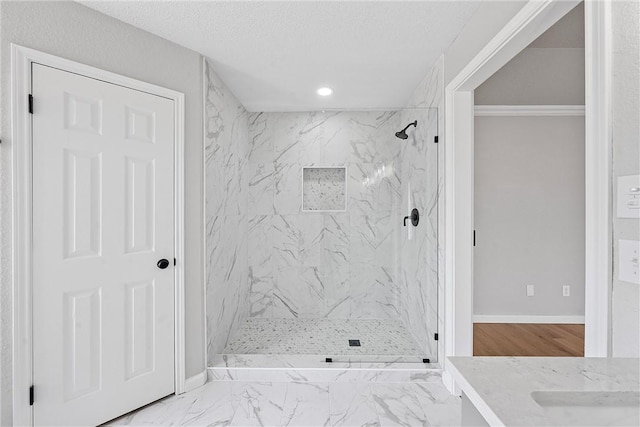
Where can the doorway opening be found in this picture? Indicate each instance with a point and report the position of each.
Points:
(526, 26)
(529, 199)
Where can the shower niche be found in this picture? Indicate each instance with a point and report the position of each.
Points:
(324, 189)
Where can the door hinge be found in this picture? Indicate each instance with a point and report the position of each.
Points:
(31, 396)
(30, 104)
(474, 238)
(435, 139)
(435, 336)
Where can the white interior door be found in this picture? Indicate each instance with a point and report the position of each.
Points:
(103, 217)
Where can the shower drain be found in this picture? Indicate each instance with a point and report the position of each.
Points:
(354, 343)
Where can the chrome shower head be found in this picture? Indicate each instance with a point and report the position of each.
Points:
(403, 133)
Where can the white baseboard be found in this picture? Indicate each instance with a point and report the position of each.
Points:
(198, 380)
(489, 318)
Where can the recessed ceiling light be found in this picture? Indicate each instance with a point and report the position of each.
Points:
(325, 91)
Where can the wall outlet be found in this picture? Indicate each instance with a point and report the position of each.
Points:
(566, 290)
(628, 196)
(529, 290)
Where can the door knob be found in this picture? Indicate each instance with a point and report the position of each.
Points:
(163, 263)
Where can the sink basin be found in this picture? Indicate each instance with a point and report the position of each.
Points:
(591, 408)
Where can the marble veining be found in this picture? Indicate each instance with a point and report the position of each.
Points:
(266, 258)
(227, 269)
(334, 265)
(503, 389)
(237, 403)
(323, 337)
(420, 267)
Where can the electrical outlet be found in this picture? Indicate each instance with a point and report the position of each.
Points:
(628, 196)
(566, 290)
(529, 290)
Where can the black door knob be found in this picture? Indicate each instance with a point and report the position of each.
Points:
(163, 263)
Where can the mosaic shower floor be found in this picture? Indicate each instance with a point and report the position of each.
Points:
(328, 337)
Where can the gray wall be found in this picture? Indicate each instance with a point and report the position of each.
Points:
(568, 32)
(529, 215)
(537, 76)
(72, 31)
(550, 71)
(529, 181)
(626, 161)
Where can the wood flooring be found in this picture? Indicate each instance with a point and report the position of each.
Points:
(528, 339)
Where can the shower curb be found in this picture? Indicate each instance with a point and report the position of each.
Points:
(277, 368)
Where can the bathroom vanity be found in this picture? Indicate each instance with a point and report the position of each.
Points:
(548, 391)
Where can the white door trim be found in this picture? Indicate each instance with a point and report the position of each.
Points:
(531, 21)
(22, 177)
(598, 199)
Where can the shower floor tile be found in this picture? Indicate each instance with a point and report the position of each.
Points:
(328, 337)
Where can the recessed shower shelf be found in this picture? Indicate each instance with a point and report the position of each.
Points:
(324, 189)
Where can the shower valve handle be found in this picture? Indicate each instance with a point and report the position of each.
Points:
(415, 218)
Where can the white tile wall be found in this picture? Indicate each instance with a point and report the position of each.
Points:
(226, 145)
(330, 265)
(266, 258)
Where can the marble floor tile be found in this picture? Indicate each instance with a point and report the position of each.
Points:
(170, 411)
(352, 404)
(211, 403)
(306, 404)
(444, 415)
(323, 337)
(235, 403)
(440, 407)
(398, 405)
(430, 393)
(259, 404)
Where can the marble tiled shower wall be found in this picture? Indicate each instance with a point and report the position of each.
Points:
(420, 248)
(226, 150)
(267, 258)
(311, 264)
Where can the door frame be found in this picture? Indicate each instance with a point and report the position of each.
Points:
(22, 227)
(535, 17)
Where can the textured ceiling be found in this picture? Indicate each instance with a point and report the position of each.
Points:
(273, 55)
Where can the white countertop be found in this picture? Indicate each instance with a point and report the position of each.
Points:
(500, 387)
